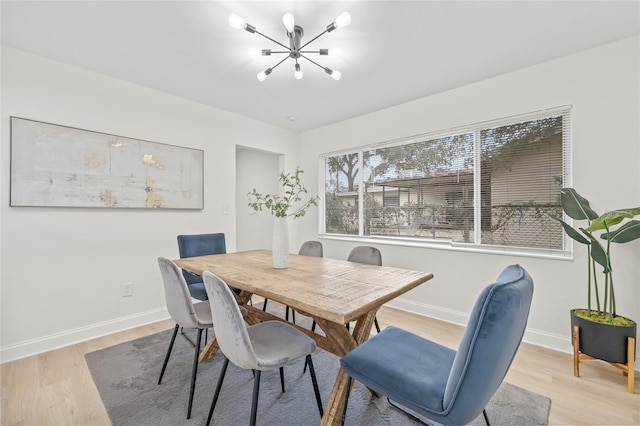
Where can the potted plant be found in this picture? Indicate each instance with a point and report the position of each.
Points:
(603, 333)
(282, 207)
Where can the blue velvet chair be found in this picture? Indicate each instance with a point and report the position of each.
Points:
(199, 245)
(438, 383)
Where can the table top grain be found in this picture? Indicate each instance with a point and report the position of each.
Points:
(337, 290)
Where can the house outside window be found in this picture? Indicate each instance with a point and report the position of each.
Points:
(491, 185)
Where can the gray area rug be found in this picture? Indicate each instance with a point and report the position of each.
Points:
(126, 376)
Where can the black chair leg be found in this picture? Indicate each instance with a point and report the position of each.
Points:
(346, 400)
(313, 326)
(306, 362)
(486, 418)
(316, 390)
(217, 392)
(166, 358)
(397, 407)
(264, 305)
(375, 321)
(282, 378)
(194, 372)
(254, 401)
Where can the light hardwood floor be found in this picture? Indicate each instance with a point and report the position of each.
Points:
(55, 388)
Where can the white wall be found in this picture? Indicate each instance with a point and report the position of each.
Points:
(62, 269)
(603, 85)
(259, 170)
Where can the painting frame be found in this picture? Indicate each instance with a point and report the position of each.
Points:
(54, 165)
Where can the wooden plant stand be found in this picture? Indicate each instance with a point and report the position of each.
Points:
(627, 369)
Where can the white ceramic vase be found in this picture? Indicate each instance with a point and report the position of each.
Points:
(280, 243)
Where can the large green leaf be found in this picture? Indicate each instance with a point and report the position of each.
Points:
(576, 206)
(598, 253)
(572, 232)
(628, 232)
(613, 218)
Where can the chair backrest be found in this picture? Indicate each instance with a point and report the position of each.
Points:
(311, 248)
(177, 295)
(231, 330)
(489, 344)
(200, 245)
(365, 254)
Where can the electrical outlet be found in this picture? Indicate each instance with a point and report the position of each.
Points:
(127, 289)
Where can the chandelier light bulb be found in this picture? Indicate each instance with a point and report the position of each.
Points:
(236, 22)
(288, 22)
(336, 75)
(343, 20)
(262, 75)
(298, 73)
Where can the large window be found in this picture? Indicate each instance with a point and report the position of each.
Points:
(492, 184)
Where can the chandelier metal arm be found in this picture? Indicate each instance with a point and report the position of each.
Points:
(275, 41)
(279, 51)
(319, 51)
(274, 67)
(313, 39)
(313, 62)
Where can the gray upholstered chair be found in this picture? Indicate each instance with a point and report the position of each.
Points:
(199, 245)
(311, 248)
(370, 256)
(443, 385)
(269, 345)
(185, 313)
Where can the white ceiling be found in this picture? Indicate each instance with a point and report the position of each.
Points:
(393, 51)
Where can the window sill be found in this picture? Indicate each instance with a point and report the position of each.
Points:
(448, 245)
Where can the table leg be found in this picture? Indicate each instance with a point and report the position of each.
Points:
(344, 342)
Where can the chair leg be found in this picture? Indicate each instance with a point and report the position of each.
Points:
(282, 378)
(375, 321)
(254, 401)
(217, 392)
(194, 372)
(486, 419)
(306, 362)
(313, 326)
(166, 358)
(316, 390)
(346, 400)
(264, 305)
(422, 422)
(286, 313)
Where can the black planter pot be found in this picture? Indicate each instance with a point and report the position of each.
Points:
(603, 341)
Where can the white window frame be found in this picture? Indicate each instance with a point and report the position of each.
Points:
(477, 246)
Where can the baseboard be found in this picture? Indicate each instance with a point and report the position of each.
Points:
(58, 340)
(531, 335)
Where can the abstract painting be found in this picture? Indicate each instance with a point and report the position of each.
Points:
(60, 166)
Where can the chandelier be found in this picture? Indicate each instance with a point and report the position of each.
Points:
(295, 49)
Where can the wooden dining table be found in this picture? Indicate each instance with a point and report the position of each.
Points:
(333, 292)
